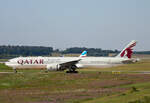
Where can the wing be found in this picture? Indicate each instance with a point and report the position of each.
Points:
(69, 64)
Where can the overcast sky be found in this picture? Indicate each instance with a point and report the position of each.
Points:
(106, 24)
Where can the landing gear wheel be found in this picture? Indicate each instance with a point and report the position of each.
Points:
(75, 71)
(67, 71)
(71, 71)
(15, 71)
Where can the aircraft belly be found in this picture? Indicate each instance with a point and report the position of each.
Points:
(99, 65)
(31, 66)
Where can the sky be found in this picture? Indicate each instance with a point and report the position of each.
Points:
(106, 24)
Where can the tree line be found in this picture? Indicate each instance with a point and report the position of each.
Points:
(15, 51)
(7, 52)
(91, 51)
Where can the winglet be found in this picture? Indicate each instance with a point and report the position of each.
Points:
(127, 51)
(83, 54)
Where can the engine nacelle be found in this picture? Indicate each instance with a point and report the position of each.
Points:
(53, 67)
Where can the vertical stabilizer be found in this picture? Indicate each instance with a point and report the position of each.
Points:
(128, 50)
(83, 54)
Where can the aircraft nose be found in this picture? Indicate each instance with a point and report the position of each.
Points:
(7, 63)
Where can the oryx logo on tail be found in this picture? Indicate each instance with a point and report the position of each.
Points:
(128, 51)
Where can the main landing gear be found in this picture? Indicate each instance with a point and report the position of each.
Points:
(15, 71)
(72, 69)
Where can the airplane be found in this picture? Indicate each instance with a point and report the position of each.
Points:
(72, 63)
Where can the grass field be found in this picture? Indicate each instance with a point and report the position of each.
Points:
(90, 85)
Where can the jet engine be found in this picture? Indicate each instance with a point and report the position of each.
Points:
(53, 67)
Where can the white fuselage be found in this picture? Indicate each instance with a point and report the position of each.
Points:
(71, 63)
(43, 62)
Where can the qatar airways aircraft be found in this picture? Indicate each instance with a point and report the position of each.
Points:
(72, 63)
